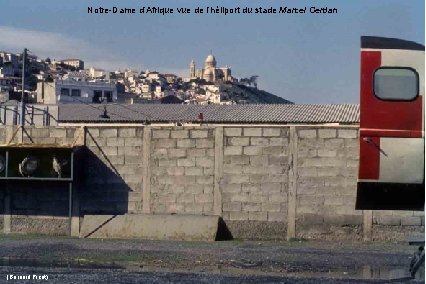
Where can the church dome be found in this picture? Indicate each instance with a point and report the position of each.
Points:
(211, 61)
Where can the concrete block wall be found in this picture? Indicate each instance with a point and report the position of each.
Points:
(254, 183)
(327, 174)
(113, 170)
(267, 182)
(182, 170)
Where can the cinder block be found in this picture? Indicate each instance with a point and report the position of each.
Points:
(249, 169)
(333, 143)
(277, 197)
(233, 150)
(58, 133)
(251, 188)
(232, 131)
(236, 178)
(252, 131)
(307, 171)
(275, 150)
(239, 141)
(240, 160)
(204, 180)
(186, 143)
(278, 141)
(204, 162)
(231, 188)
(259, 141)
(193, 171)
(326, 153)
(238, 216)
(38, 132)
(160, 153)
(411, 221)
(176, 153)
(259, 160)
(347, 133)
(164, 143)
(258, 216)
(160, 134)
(126, 132)
(196, 152)
(180, 134)
(110, 151)
(204, 198)
(277, 216)
(199, 133)
(204, 143)
(307, 133)
(208, 189)
(250, 206)
(271, 132)
(188, 162)
(252, 150)
(271, 207)
(209, 171)
(210, 152)
(108, 132)
(166, 162)
(184, 179)
(114, 141)
(271, 187)
(136, 141)
(240, 197)
(194, 188)
(175, 171)
(279, 161)
(389, 220)
(194, 208)
(327, 133)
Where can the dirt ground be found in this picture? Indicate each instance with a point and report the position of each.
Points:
(68, 260)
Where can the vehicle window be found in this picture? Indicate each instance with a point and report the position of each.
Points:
(399, 84)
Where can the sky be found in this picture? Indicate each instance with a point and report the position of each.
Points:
(305, 58)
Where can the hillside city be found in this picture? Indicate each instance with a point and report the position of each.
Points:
(50, 81)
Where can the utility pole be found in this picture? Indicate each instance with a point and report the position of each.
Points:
(24, 58)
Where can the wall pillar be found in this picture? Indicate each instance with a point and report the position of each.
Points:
(218, 170)
(7, 217)
(292, 184)
(146, 172)
(367, 225)
(75, 214)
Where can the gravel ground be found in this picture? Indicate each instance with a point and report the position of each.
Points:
(66, 260)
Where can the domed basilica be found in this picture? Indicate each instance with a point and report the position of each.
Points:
(210, 72)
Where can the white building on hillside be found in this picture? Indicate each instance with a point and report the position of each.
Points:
(69, 91)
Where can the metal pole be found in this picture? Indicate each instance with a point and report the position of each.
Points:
(24, 58)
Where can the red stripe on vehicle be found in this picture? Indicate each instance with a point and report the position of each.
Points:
(394, 133)
(369, 160)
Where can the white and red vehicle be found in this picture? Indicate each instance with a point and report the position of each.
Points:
(391, 164)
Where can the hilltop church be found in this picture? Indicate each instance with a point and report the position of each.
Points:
(210, 72)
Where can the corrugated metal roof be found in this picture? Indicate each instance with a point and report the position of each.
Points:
(250, 113)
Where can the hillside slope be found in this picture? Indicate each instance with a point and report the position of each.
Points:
(251, 95)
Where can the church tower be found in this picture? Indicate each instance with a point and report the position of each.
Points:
(192, 69)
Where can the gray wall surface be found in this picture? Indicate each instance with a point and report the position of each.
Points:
(268, 182)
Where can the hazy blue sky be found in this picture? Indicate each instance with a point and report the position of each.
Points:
(306, 58)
